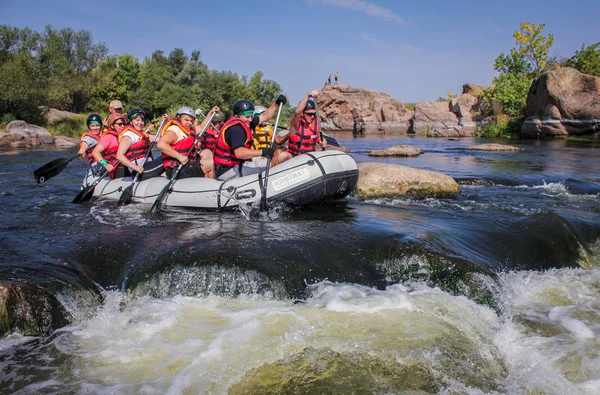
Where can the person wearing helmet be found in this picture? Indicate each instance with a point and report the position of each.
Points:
(305, 130)
(235, 142)
(106, 150)
(90, 137)
(209, 138)
(178, 136)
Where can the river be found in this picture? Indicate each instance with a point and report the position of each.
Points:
(494, 291)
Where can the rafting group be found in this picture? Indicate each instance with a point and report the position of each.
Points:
(208, 162)
(120, 146)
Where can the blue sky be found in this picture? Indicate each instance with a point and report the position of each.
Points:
(415, 51)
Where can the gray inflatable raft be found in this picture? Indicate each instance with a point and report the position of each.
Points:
(306, 179)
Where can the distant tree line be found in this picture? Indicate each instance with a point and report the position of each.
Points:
(65, 69)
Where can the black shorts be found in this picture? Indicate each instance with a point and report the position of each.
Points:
(190, 170)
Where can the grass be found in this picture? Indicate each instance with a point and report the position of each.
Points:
(70, 127)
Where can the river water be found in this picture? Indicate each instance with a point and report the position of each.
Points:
(495, 291)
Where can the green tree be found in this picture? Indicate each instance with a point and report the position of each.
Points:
(586, 60)
(519, 69)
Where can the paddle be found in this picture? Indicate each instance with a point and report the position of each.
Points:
(167, 189)
(86, 193)
(263, 189)
(127, 194)
(211, 124)
(53, 168)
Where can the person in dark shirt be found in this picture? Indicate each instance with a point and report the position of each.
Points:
(235, 142)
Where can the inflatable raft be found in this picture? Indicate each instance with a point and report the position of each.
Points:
(306, 179)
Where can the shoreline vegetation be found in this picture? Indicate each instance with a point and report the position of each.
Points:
(65, 69)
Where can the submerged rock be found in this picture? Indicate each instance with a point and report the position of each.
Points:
(494, 147)
(386, 180)
(397, 150)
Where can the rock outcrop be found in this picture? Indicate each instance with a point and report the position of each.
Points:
(378, 180)
(397, 150)
(375, 112)
(343, 107)
(563, 102)
(22, 134)
(52, 115)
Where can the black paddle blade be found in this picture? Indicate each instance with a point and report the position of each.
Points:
(85, 194)
(50, 169)
(126, 196)
(161, 196)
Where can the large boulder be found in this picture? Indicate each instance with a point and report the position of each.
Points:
(52, 115)
(435, 119)
(377, 180)
(25, 135)
(563, 102)
(397, 150)
(376, 112)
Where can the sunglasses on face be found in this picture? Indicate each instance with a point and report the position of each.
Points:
(310, 114)
(119, 123)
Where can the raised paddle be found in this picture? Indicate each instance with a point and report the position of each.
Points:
(127, 194)
(263, 188)
(53, 168)
(167, 189)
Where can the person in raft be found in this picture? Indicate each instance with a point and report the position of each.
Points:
(134, 142)
(305, 131)
(263, 135)
(105, 151)
(209, 138)
(89, 139)
(177, 137)
(234, 145)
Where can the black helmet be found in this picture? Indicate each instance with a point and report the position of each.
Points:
(310, 104)
(93, 118)
(243, 107)
(135, 112)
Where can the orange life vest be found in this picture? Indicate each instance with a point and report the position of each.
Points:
(111, 154)
(96, 137)
(136, 150)
(305, 140)
(182, 146)
(224, 155)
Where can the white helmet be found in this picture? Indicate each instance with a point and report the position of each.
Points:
(259, 110)
(186, 111)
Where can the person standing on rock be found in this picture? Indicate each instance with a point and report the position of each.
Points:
(305, 131)
(336, 77)
(329, 80)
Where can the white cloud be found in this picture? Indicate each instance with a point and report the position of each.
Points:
(370, 9)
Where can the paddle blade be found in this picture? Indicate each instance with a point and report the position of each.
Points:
(50, 169)
(85, 194)
(161, 196)
(126, 196)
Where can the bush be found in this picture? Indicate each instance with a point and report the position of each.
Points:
(6, 119)
(502, 126)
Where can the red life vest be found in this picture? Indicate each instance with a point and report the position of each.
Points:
(224, 155)
(96, 137)
(111, 154)
(305, 140)
(136, 150)
(209, 139)
(182, 146)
